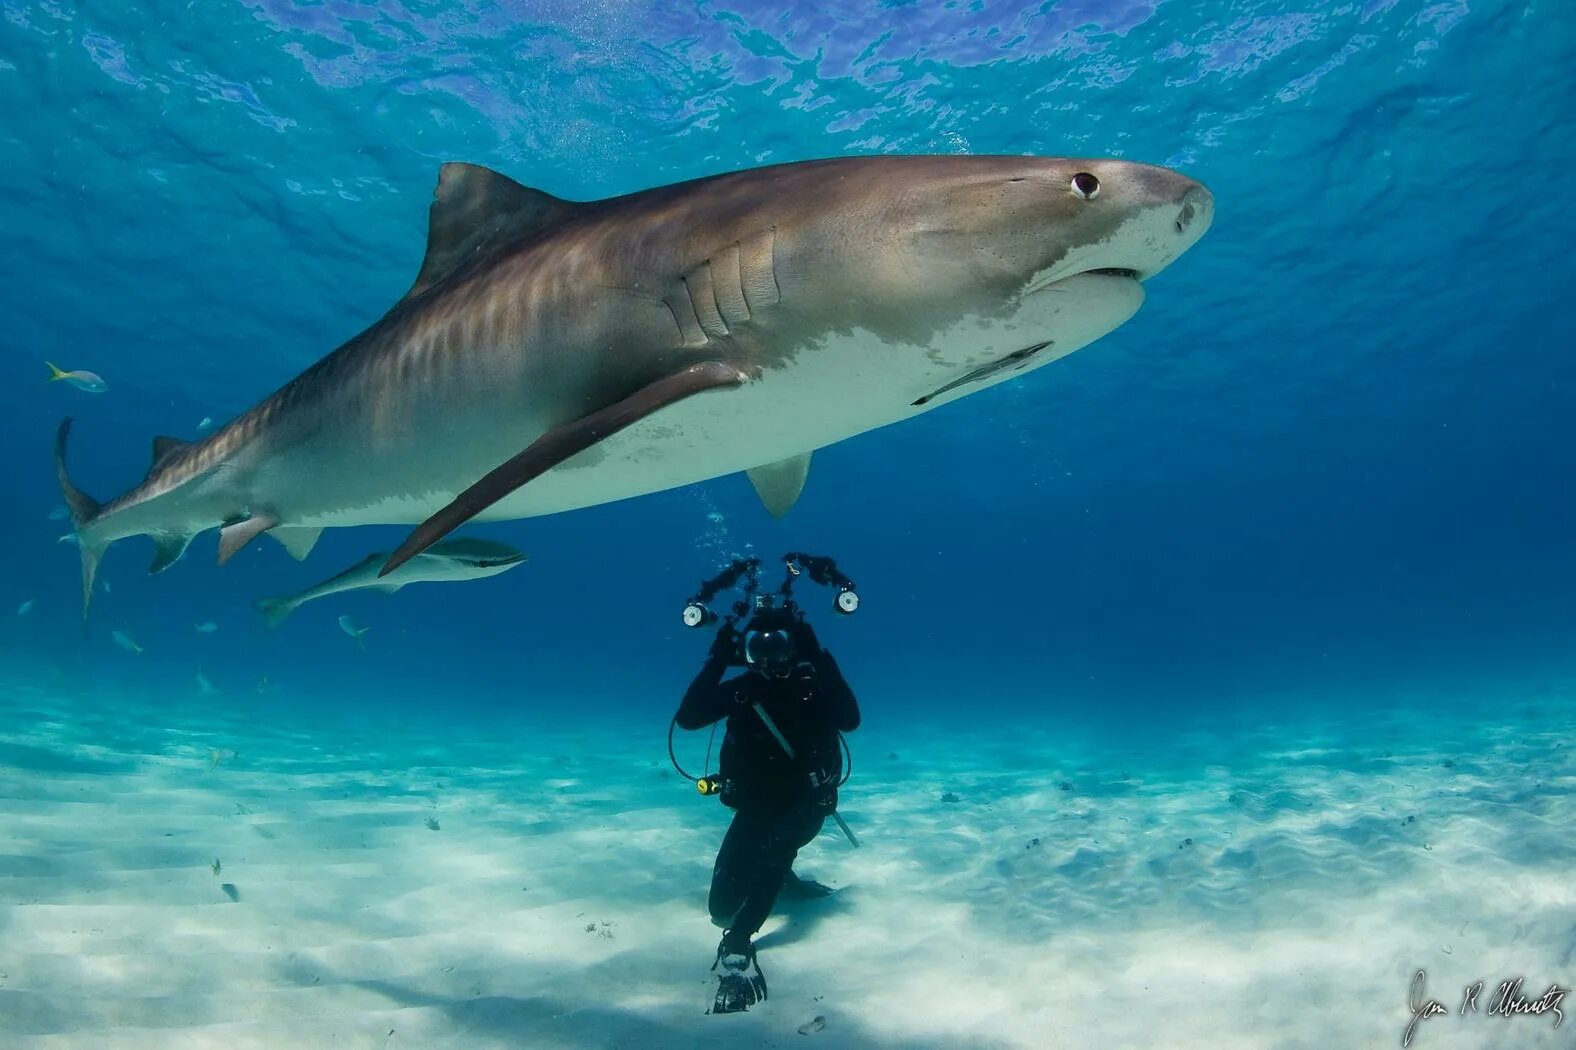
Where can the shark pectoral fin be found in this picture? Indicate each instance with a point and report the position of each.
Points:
(296, 539)
(557, 445)
(238, 534)
(167, 550)
(388, 588)
(779, 484)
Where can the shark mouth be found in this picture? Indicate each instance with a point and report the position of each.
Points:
(1011, 363)
(1099, 271)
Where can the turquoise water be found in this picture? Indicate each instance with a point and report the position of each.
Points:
(1297, 535)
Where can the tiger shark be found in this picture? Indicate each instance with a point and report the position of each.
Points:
(557, 354)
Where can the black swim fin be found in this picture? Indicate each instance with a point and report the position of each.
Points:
(797, 889)
(737, 988)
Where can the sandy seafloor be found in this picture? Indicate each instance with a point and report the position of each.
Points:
(1272, 887)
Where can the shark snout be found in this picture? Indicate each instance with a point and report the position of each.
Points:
(1196, 212)
(1170, 226)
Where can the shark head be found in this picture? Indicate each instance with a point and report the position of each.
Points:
(941, 275)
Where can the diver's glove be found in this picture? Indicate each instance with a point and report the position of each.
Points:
(724, 645)
(737, 988)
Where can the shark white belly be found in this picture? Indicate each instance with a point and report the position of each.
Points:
(786, 413)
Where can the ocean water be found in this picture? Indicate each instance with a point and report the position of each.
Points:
(1217, 679)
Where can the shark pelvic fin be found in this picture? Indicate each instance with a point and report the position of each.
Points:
(84, 509)
(238, 534)
(476, 213)
(163, 448)
(167, 550)
(779, 484)
(296, 539)
(557, 445)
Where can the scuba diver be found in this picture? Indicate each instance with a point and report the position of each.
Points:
(781, 761)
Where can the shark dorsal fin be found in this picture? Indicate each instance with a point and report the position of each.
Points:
(476, 212)
(164, 447)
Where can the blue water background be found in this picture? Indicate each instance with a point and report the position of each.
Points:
(1329, 464)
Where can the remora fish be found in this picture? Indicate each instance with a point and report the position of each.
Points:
(606, 349)
(455, 559)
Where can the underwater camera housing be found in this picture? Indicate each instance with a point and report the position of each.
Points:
(773, 610)
(767, 615)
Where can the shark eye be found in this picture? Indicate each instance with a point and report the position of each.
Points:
(1085, 186)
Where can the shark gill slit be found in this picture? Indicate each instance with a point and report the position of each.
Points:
(703, 294)
(678, 329)
(728, 286)
(758, 271)
(683, 308)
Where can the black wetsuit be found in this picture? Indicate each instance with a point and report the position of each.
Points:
(777, 808)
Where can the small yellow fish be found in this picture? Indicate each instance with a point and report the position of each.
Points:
(82, 379)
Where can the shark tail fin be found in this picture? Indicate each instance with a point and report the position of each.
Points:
(274, 610)
(84, 509)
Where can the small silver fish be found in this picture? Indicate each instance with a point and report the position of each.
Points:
(352, 630)
(82, 379)
(207, 421)
(106, 586)
(206, 628)
(59, 513)
(204, 686)
(26, 607)
(123, 640)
